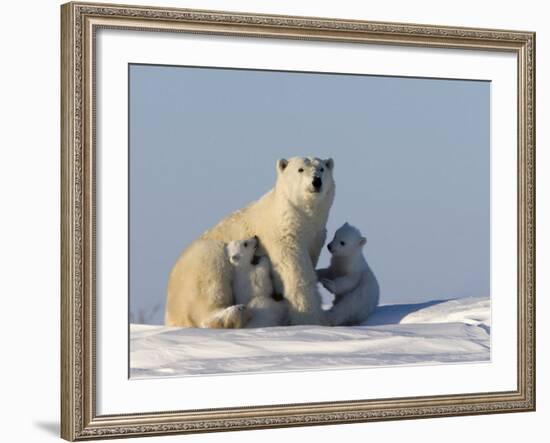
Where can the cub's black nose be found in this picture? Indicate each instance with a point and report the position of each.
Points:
(317, 183)
(329, 248)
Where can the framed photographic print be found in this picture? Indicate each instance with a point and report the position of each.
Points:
(282, 221)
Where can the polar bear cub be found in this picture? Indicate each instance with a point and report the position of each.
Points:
(349, 278)
(253, 287)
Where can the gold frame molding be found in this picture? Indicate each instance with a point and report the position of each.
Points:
(79, 22)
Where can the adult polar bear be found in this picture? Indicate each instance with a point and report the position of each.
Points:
(290, 221)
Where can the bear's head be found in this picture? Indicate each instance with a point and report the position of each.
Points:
(241, 252)
(347, 241)
(306, 180)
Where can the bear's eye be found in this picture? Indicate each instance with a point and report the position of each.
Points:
(343, 243)
(301, 170)
(246, 244)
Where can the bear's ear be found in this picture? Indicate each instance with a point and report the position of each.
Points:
(282, 164)
(363, 241)
(329, 163)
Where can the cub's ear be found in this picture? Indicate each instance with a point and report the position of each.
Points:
(329, 163)
(363, 241)
(282, 164)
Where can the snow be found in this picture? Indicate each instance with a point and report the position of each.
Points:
(437, 332)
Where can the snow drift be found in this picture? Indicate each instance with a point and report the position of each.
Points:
(451, 331)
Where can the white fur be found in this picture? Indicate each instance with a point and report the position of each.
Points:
(252, 285)
(290, 222)
(349, 278)
(235, 316)
(249, 280)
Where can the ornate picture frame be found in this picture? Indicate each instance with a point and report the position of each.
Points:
(80, 23)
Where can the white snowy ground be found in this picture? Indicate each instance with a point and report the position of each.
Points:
(428, 333)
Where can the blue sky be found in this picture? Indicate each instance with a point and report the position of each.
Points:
(412, 168)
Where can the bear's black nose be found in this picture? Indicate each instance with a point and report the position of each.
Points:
(329, 248)
(317, 183)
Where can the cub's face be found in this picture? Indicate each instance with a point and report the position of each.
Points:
(241, 252)
(346, 242)
(305, 179)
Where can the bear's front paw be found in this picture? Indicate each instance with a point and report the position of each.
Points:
(328, 284)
